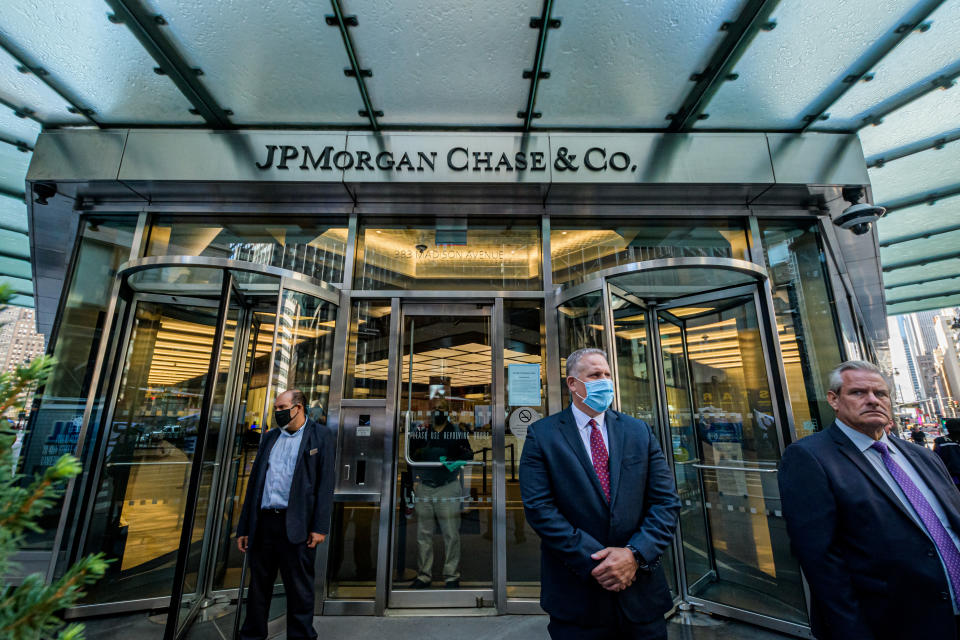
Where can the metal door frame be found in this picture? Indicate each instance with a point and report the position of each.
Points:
(178, 621)
(491, 307)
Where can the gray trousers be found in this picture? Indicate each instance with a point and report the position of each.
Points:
(441, 505)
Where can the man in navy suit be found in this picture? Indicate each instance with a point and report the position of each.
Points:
(285, 515)
(597, 490)
(873, 520)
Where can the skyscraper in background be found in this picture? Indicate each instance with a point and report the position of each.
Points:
(929, 350)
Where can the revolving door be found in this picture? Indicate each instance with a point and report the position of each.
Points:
(696, 353)
(200, 348)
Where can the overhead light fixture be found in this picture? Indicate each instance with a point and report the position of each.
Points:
(859, 215)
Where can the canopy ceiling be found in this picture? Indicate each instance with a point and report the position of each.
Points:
(882, 69)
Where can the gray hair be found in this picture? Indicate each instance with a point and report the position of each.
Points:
(836, 376)
(573, 360)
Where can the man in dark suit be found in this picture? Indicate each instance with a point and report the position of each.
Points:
(873, 520)
(597, 490)
(286, 514)
(948, 448)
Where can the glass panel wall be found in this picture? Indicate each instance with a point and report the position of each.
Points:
(54, 425)
(139, 510)
(307, 246)
(577, 250)
(203, 514)
(249, 424)
(368, 350)
(740, 448)
(304, 350)
(458, 255)
(805, 322)
(580, 323)
(352, 567)
(524, 356)
(635, 384)
(697, 551)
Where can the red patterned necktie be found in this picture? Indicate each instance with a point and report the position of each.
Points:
(598, 451)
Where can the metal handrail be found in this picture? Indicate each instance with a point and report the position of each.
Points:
(725, 468)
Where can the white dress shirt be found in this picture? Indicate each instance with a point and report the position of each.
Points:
(864, 443)
(584, 428)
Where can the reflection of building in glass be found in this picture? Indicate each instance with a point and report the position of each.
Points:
(19, 341)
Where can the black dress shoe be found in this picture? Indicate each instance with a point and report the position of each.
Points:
(419, 583)
(452, 584)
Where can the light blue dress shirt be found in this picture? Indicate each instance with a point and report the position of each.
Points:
(864, 443)
(283, 460)
(583, 426)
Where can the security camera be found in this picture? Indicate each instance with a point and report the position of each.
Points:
(859, 215)
(44, 192)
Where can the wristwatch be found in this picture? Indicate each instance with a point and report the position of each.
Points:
(642, 564)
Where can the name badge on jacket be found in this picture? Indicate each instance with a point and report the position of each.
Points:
(313, 452)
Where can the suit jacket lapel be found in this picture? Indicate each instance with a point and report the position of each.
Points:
(949, 498)
(615, 437)
(305, 440)
(568, 427)
(856, 456)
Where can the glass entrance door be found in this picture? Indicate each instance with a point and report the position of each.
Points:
(727, 440)
(443, 508)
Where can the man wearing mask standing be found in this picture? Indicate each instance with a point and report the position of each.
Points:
(597, 490)
(285, 515)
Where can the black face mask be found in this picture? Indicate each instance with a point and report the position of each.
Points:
(439, 417)
(282, 417)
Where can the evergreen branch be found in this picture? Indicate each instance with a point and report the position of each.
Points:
(12, 384)
(37, 604)
(20, 507)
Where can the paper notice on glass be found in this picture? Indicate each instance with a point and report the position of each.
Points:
(523, 385)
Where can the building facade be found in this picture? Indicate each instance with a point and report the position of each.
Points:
(188, 276)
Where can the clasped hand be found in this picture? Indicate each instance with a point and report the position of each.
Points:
(618, 568)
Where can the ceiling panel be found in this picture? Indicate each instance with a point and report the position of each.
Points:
(938, 245)
(22, 129)
(15, 268)
(265, 63)
(922, 218)
(13, 212)
(25, 90)
(935, 113)
(931, 289)
(933, 271)
(627, 64)
(922, 54)
(785, 70)
(102, 64)
(923, 305)
(13, 168)
(921, 172)
(446, 62)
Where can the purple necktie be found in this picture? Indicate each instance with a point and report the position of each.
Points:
(598, 451)
(938, 533)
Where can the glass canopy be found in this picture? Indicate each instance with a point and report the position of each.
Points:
(462, 64)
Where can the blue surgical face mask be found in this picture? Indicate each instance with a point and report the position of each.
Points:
(599, 393)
